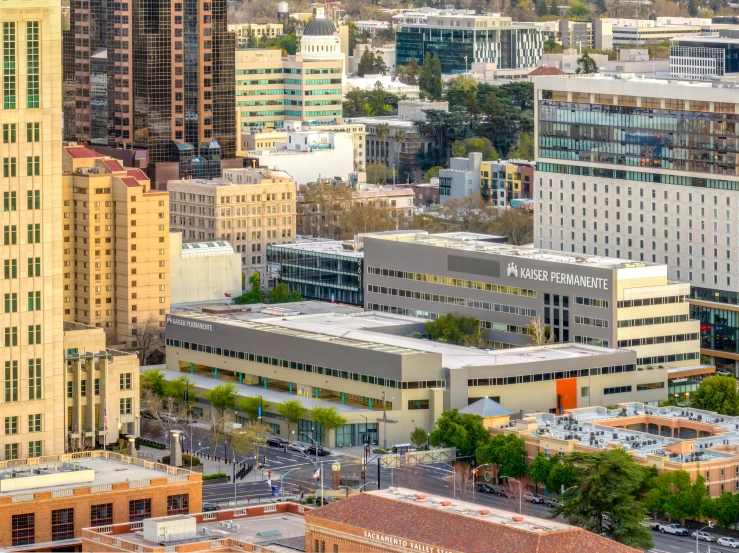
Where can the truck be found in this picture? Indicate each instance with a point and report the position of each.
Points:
(674, 528)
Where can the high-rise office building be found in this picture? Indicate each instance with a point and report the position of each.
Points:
(155, 75)
(647, 171)
(31, 149)
(116, 250)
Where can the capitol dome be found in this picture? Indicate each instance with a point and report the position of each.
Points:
(320, 26)
(320, 40)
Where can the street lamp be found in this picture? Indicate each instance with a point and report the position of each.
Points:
(282, 483)
(696, 536)
(520, 493)
(359, 489)
(428, 441)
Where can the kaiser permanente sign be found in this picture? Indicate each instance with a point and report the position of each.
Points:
(412, 545)
(557, 277)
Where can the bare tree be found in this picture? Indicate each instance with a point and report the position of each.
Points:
(219, 430)
(409, 475)
(147, 338)
(464, 480)
(515, 492)
(250, 439)
(538, 332)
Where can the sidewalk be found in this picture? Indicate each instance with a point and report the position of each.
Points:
(209, 466)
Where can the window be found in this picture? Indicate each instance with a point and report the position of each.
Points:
(617, 390)
(11, 425)
(34, 334)
(11, 451)
(585, 391)
(34, 378)
(34, 423)
(32, 64)
(10, 235)
(125, 381)
(34, 448)
(11, 381)
(650, 386)
(62, 524)
(33, 199)
(11, 303)
(139, 509)
(9, 132)
(9, 67)
(125, 406)
(10, 268)
(101, 515)
(418, 404)
(33, 166)
(34, 301)
(34, 266)
(34, 233)
(23, 529)
(9, 167)
(178, 504)
(9, 201)
(33, 132)
(11, 337)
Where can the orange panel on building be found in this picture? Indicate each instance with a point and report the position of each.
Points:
(567, 393)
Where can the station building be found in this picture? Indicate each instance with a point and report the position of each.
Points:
(366, 362)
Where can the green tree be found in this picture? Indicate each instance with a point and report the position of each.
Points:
(551, 46)
(419, 437)
(462, 148)
(254, 295)
(153, 381)
(507, 452)
(577, 10)
(379, 67)
(561, 475)
(354, 103)
(465, 432)
(498, 124)
(400, 139)
(724, 509)
(541, 8)
(376, 173)
(222, 398)
(454, 329)
(282, 294)
(250, 405)
(693, 9)
(366, 63)
(609, 483)
(718, 394)
(539, 470)
(288, 43)
(586, 65)
(328, 417)
(429, 81)
(675, 495)
(408, 74)
(293, 411)
(525, 149)
(250, 439)
(554, 8)
(462, 91)
(431, 173)
(600, 7)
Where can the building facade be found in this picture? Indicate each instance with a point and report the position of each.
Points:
(576, 34)
(501, 182)
(645, 171)
(704, 58)
(169, 72)
(411, 273)
(326, 270)
(458, 35)
(31, 152)
(116, 248)
(251, 34)
(248, 208)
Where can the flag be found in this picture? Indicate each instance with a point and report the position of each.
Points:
(105, 417)
(317, 474)
(465, 59)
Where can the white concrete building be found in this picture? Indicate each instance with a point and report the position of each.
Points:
(311, 155)
(609, 32)
(371, 27)
(646, 170)
(387, 82)
(386, 52)
(461, 179)
(202, 271)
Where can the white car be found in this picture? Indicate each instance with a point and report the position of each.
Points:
(728, 542)
(676, 529)
(703, 536)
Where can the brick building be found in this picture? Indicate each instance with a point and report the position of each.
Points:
(403, 520)
(47, 511)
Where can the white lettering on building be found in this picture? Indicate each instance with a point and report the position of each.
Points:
(415, 546)
(557, 277)
(190, 324)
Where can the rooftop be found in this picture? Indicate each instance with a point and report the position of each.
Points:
(433, 523)
(205, 249)
(368, 330)
(335, 247)
(486, 407)
(707, 39)
(455, 241)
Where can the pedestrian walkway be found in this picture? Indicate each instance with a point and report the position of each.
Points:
(209, 466)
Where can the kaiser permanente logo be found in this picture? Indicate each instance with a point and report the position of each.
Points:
(557, 277)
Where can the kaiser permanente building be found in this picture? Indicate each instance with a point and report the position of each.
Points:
(585, 299)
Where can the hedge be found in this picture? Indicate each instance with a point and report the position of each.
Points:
(214, 476)
(185, 460)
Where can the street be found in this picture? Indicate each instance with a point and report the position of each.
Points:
(295, 471)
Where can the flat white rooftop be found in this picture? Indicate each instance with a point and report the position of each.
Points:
(335, 247)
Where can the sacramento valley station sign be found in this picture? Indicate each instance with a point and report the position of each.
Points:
(412, 545)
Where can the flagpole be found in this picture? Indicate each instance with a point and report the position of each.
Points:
(323, 498)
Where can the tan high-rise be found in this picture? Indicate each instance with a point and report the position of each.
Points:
(249, 208)
(30, 148)
(116, 249)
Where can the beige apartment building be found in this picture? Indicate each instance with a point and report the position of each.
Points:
(101, 384)
(245, 31)
(248, 208)
(115, 248)
(31, 117)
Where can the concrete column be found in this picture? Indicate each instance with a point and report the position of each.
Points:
(131, 445)
(343, 398)
(215, 373)
(241, 378)
(192, 368)
(265, 383)
(370, 403)
(291, 388)
(175, 448)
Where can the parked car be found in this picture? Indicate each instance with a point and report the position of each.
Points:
(552, 502)
(484, 488)
(208, 506)
(534, 497)
(728, 542)
(703, 536)
(321, 452)
(276, 442)
(648, 523)
(297, 447)
(674, 528)
(505, 492)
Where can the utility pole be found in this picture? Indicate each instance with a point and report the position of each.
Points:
(378, 473)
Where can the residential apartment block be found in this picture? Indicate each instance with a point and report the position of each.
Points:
(308, 86)
(250, 34)
(461, 37)
(101, 389)
(115, 248)
(248, 208)
(151, 75)
(584, 299)
(646, 171)
(31, 149)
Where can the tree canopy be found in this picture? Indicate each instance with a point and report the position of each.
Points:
(292, 410)
(429, 80)
(328, 417)
(719, 394)
(282, 294)
(371, 64)
(253, 295)
(507, 452)
(454, 329)
(463, 431)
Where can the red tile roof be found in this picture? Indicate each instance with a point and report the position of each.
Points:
(426, 524)
(80, 152)
(130, 182)
(113, 165)
(546, 71)
(138, 174)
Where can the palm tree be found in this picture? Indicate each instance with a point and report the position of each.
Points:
(382, 131)
(400, 140)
